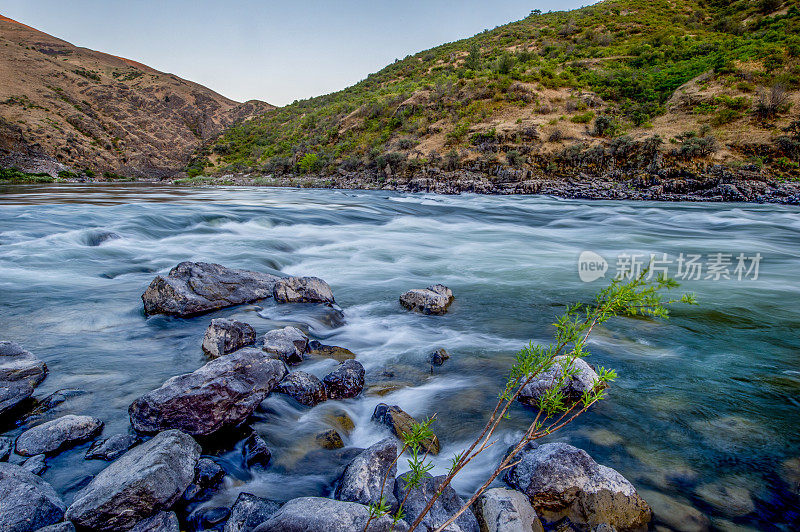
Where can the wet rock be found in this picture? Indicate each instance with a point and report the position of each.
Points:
(563, 481)
(161, 522)
(248, 512)
(222, 393)
(302, 290)
(208, 518)
(207, 476)
(112, 447)
(345, 381)
(64, 526)
(438, 357)
(97, 237)
(148, 478)
(443, 509)
(35, 464)
(432, 300)
(504, 510)
(289, 343)
(303, 387)
(677, 515)
(317, 514)
(330, 439)
(6, 444)
(193, 288)
(225, 336)
(584, 379)
(255, 451)
(400, 422)
(370, 473)
(27, 502)
(342, 421)
(20, 373)
(329, 351)
(57, 434)
(54, 399)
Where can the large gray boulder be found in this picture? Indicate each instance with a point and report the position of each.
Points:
(57, 434)
(20, 373)
(504, 510)
(305, 388)
(369, 474)
(192, 288)
(317, 514)
(222, 393)
(248, 512)
(225, 336)
(27, 503)
(432, 300)
(302, 290)
(582, 380)
(443, 509)
(289, 343)
(161, 522)
(563, 481)
(346, 381)
(145, 480)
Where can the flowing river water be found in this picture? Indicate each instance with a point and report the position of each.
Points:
(703, 417)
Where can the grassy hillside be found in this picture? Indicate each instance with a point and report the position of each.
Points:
(629, 83)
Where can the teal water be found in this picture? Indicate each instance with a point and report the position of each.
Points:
(704, 414)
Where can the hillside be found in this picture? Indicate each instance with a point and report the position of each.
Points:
(63, 107)
(622, 88)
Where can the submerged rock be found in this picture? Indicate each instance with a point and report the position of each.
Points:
(192, 288)
(504, 510)
(27, 503)
(676, 514)
(345, 381)
(20, 373)
(302, 290)
(438, 357)
(400, 422)
(329, 351)
(369, 474)
(318, 514)
(432, 300)
(443, 509)
(303, 387)
(222, 393)
(248, 512)
(289, 343)
(330, 439)
(583, 380)
(36, 464)
(225, 336)
(112, 447)
(207, 476)
(58, 434)
(255, 451)
(147, 479)
(161, 522)
(563, 481)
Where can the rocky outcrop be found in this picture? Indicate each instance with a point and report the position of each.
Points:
(145, 480)
(370, 475)
(192, 288)
(303, 387)
(289, 343)
(346, 381)
(20, 373)
(248, 512)
(302, 290)
(225, 336)
(432, 300)
(400, 422)
(563, 481)
(161, 522)
(443, 509)
(112, 447)
(222, 393)
(582, 380)
(27, 503)
(317, 514)
(504, 510)
(255, 451)
(58, 434)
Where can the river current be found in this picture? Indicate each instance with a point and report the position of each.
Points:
(703, 417)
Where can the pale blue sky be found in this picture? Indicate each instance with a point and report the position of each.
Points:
(272, 51)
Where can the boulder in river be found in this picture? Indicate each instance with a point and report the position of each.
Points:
(330, 440)
(20, 373)
(27, 503)
(192, 288)
(438, 357)
(303, 387)
(222, 393)
(400, 422)
(147, 479)
(582, 380)
(505, 510)
(289, 343)
(161, 522)
(346, 381)
(318, 514)
(255, 451)
(370, 474)
(302, 290)
(432, 300)
(112, 447)
(57, 434)
(329, 351)
(225, 336)
(207, 475)
(248, 512)
(563, 481)
(36, 464)
(443, 509)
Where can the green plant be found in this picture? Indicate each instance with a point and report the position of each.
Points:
(583, 118)
(308, 163)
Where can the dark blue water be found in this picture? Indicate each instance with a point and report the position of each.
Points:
(704, 414)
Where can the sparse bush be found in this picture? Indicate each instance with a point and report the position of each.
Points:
(583, 118)
(556, 135)
(603, 126)
(504, 63)
(772, 102)
(514, 158)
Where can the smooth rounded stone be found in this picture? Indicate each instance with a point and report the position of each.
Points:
(161, 522)
(207, 475)
(318, 514)
(222, 393)
(36, 464)
(438, 357)
(255, 451)
(289, 343)
(27, 503)
(20, 373)
(443, 509)
(147, 479)
(330, 439)
(729, 496)
(504, 510)
(111, 448)
(583, 380)
(225, 336)
(64, 526)
(248, 512)
(302, 290)
(400, 422)
(677, 515)
(6, 444)
(303, 387)
(432, 300)
(208, 518)
(370, 473)
(57, 434)
(345, 381)
(563, 481)
(329, 351)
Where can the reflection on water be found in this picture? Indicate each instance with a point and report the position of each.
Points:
(703, 418)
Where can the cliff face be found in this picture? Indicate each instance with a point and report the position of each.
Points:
(63, 105)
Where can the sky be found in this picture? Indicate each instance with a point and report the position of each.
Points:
(266, 50)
